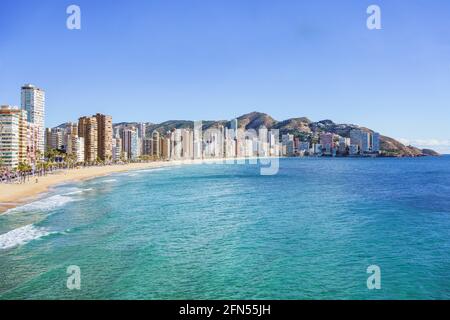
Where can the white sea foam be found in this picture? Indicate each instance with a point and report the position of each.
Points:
(79, 191)
(109, 180)
(45, 204)
(153, 170)
(21, 236)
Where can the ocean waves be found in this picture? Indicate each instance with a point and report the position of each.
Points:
(46, 204)
(37, 211)
(22, 235)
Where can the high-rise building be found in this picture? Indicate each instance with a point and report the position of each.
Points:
(365, 142)
(9, 137)
(353, 149)
(130, 143)
(18, 138)
(156, 147)
(344, 143)
(72, 128)
(27, 140)
(287, 144)
(117, 148)
(30, 144)
(105, 135)
(376, 142)
(362, 139)
(165, 148)
(147, 147)
(187, 143)
(48, 139)
(141, 127)
(87, 129)
(75, 146)
(355, 137)
(234, 125)
(55, 139)
(198, 140)
(33, 102)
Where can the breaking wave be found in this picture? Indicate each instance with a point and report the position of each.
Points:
(21, 236)
(45, 204)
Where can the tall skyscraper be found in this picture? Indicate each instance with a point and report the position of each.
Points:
(130, 143)
(33, 102)
(376, 142)
(141, 127)
(117, 148)
(366, 141)
(188, 144)
(105, 135)
(234, 126)
(147, 147)
(365, 138)
(87, 129)
(165, 148)
(156, 148)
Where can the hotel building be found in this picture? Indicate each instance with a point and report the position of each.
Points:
(75, 146)
(147, 147)
(9, 137)
(55, 138)
(17, 138)
(33, 102)
(117, 148)
(105, 135)
(367, 142)
(156, 147)
(130, 144)
(87, 129)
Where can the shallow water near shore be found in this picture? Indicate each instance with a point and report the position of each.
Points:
(226, 232)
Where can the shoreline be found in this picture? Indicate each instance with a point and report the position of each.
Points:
(14, 195)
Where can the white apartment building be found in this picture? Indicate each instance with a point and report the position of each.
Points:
(9, 137)
(75, 146)
(33, 102)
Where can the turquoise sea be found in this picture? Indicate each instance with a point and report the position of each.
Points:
(226, 232)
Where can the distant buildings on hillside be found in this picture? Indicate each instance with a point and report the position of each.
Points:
(360, 143)
(24, 139)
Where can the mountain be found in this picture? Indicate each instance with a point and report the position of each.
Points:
(255, 120)
(429, 152)
(302, 127)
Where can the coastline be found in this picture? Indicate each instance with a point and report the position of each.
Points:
(14, 195)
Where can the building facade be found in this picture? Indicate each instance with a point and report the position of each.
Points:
(87, 129)
(33, 102)
(9, 137)
(105, 135)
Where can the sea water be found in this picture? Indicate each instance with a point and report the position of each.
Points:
(227, 232)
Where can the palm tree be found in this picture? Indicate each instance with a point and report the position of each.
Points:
(70, 159)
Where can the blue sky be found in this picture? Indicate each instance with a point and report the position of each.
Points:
(156, 60)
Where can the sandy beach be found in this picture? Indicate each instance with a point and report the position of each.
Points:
(12, 195)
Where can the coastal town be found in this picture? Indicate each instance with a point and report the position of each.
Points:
(27, 147)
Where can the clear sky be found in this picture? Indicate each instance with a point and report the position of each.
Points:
(157, 60)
